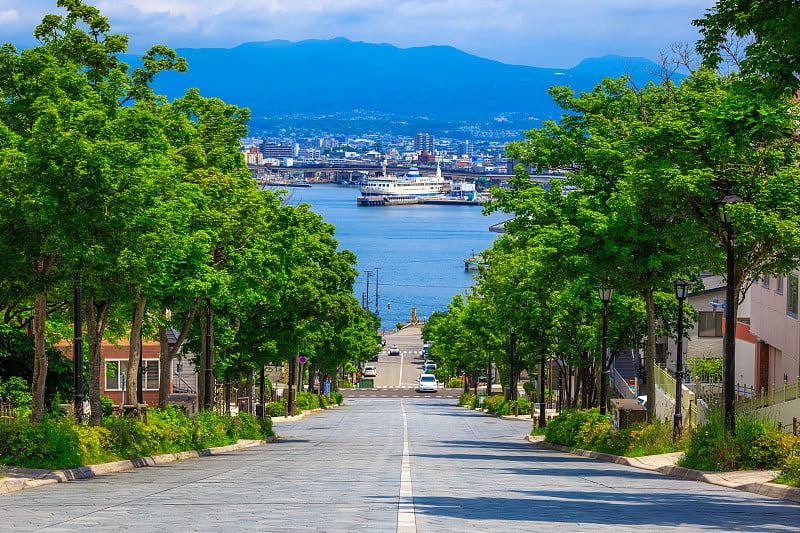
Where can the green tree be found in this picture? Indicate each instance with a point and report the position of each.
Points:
(772, 57)
(58, 172)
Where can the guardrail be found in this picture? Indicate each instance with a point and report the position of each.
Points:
(622, 386)
(667, 384)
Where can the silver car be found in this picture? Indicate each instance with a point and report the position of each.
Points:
(427, 383)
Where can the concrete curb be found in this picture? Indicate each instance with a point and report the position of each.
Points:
(723, 479)
(518, 418)
(304, 414)
(85, 472)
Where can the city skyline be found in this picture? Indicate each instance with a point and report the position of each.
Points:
(556, 35)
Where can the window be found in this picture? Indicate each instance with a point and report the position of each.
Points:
(765, 281)
(791, 295)
(779, 284)
(710, 324)
(116, 370)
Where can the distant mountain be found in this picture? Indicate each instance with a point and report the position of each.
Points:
(339, 76)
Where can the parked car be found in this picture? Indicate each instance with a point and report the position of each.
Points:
(429, 367)
(427, 383)
(370, 371)
(394, 350)
(375, 357)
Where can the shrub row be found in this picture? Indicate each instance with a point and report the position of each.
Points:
(61, 443)
(496, 404)
(757, 444)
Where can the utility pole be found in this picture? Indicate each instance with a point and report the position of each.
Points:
(369, 275)
(377, 272)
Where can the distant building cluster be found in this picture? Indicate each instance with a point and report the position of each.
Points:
(473, 155)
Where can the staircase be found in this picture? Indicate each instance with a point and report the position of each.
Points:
(624, 372)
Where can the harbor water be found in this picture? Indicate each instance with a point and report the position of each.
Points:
(415, 252)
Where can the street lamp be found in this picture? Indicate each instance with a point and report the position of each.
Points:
(729, 344)
(681, 287)
(542, 406)
(605, 293)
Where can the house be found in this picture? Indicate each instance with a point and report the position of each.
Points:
(705, 339)
(183, 377)
(775, 325)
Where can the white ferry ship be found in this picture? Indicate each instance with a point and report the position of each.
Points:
(411, 185)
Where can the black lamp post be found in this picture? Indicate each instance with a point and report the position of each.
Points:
(77, 359)
(208, 400)
(542, 407)
(681, 287)
(605, 293)
(729, 344)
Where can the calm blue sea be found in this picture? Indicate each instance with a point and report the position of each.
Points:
(418, 249)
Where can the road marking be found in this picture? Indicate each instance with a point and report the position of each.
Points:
(406, 515)
(400, 383)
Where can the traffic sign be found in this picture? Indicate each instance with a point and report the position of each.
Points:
(302, 359)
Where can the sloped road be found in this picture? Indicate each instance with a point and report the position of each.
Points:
(393, 465)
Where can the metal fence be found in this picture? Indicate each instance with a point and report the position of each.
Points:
(667, 384)
(748, 398)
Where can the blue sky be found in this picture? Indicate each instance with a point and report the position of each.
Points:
(543, 33)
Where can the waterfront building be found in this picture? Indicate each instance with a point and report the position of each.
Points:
(269, 150)
(254, 157)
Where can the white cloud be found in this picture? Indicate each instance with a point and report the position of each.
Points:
(9, 16)
(534, 32)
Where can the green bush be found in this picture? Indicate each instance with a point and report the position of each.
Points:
(17, 391)
(705, 369)
(645, 439)
(495, 404)
(578, 429)
(529, 388)
(337, 398)
(455, 383)
(107, 405)
(476, 402)
(465, 399)
(307, 401)
(61, 443)
(757, 444)
(790, 471)
(520, 406)
(51, 444)
(275, 408)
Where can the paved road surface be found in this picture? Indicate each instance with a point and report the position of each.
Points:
(393, 465)
(401, 370)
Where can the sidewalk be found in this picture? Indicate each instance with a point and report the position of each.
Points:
(755, 481)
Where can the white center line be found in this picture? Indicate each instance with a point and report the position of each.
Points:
(406, 515)
(400, 381)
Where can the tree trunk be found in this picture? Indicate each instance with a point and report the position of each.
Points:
(42, 266)
(96, 320)
(201, 367)
(39, 358)
(135, 349)
(167, 353)
(650, 353)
